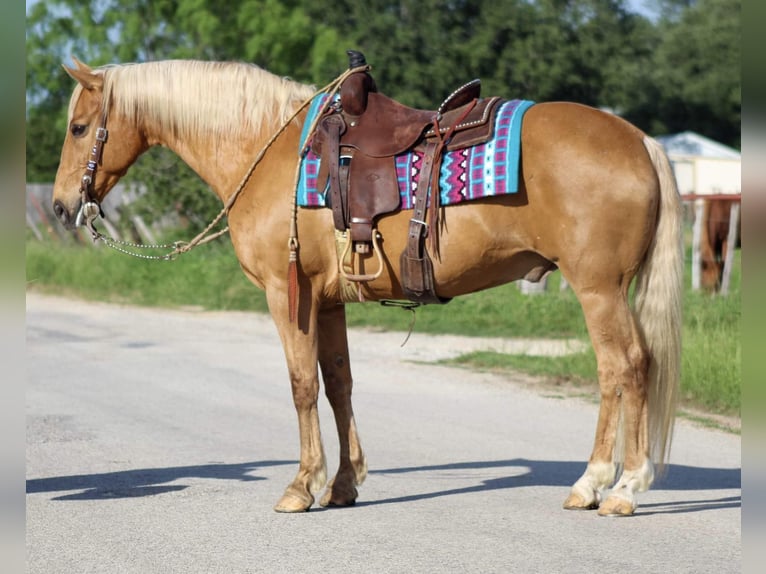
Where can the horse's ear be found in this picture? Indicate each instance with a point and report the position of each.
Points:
(83, 74)
(80, 65)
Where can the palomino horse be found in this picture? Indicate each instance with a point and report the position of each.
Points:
(597, 199)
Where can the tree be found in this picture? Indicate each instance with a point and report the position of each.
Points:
(415, 47)
(698, 71)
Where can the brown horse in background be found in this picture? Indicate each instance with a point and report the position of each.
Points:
(597, 199)
(714, 241)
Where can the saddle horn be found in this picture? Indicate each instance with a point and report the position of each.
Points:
(355, 59)
(354, 91)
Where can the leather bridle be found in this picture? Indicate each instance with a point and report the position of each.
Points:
(90, 208)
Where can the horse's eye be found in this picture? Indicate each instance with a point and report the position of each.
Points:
(78, 130)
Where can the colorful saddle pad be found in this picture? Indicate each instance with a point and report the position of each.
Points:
(484, 170)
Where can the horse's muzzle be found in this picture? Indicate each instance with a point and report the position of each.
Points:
(66, 217)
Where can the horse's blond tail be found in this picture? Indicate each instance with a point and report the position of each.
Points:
(659, 289)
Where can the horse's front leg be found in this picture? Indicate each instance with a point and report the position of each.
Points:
(336, 373)
(299, 340)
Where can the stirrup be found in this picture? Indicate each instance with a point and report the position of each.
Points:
(364, 277)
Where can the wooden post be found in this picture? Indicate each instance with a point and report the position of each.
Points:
(33, 227)
(143, 230)
(699, 214)
(44, 212)
(731, 241)
(110, 228)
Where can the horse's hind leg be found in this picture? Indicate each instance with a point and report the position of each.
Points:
(336, 373)
(623, 373)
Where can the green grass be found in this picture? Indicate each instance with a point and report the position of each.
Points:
(712, 352)
(210, 278)
(578, 369)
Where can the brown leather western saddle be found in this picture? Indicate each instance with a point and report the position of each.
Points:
(358, 139)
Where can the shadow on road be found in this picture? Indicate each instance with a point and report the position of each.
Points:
(144, 482)
(565, 473)
(148, 482)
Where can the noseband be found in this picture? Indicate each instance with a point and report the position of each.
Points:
(90, 207)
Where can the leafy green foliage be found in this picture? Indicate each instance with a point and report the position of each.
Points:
(698, 71)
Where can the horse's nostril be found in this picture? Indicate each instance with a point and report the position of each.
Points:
(61, 213)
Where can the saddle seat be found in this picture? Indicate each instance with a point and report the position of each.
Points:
(386, 127)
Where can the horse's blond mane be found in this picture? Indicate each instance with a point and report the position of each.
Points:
(186, 96)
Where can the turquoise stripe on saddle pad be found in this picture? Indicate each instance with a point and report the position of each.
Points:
(485, 170)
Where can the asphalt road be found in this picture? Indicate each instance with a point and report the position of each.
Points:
(158, 441)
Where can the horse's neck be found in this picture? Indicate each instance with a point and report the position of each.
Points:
(220, 162)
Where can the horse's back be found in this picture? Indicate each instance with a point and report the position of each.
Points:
(585, 141)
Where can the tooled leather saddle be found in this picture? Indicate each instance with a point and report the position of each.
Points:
(358, 139)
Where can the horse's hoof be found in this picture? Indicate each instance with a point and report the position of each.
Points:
(328, 500)
(332, 503)
(576, 502)
(337, 497)
(293, 503)
(616, 506)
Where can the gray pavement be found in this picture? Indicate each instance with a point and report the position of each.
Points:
(158, 441)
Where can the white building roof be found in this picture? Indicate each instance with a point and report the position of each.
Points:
(693, 144)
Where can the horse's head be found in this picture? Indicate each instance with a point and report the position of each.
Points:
(98, 147)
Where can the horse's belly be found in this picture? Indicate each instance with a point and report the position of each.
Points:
(477, 250)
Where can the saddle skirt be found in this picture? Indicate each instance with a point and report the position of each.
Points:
(483, 170)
